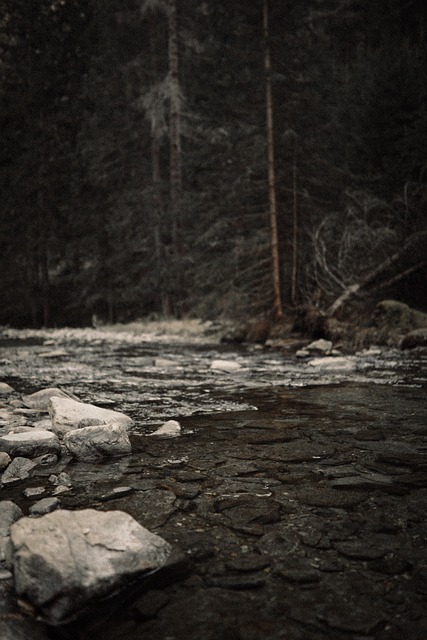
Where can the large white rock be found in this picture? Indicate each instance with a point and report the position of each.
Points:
(30, 444)
(225, 365)
(169, 429)
(98, 441)
(320, 345)
(67, 415)
(65, 560)
(40, 399)
(334, 363)
(5, 389)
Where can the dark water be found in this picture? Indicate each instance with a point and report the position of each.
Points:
(295, 497)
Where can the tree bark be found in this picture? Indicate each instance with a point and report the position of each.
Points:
(174, 123)
(294, 233)
(277, 289)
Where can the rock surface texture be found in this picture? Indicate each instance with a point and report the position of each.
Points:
(68, 414)
(66, 559)
(30, 443)
(98, 441)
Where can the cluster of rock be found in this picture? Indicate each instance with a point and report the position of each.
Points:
(75, 428)
(65, 561)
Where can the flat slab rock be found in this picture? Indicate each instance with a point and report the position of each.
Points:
(30, 444)
(65, 560)
(67, 414)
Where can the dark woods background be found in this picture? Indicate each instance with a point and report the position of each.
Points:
(133, 164)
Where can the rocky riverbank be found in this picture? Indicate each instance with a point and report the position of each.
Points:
(292, 514)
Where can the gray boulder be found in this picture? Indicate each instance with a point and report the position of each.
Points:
(67, 414)
(98, 441)
(9, 513)
(30, 444)
(66, 560)
(4, 460)
(5, 389)
(19, 469)
(322, 345)
(46, 505)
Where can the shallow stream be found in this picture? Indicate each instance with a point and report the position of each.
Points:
(295, 497)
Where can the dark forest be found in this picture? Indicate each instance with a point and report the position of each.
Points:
(210, 159)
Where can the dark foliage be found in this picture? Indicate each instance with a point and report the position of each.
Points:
(88, 222)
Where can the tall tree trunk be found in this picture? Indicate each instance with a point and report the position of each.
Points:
(294, 233)
(277, 290)
(164, 297)
(174, 123)
(175, 155)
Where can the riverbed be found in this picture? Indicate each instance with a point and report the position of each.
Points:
(295, 497)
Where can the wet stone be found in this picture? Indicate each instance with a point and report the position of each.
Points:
(365, 482)
(5, 460)
(325, 497)
(330, 564)
(391, 565)
(300, 575)
(355, 618)
(117, 492)
(369, 435)
(33, 492)
(189, 476)
(249, 511)
(299, 451)
(415, 480)
(152, 508)
(239, 582)
(270, 438)
(236, 469)
(47, 505)
(183, 491)
(403, 459)
(371, 549)
(248, 563)
(19, 469)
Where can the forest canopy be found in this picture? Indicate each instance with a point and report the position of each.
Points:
(210, 158)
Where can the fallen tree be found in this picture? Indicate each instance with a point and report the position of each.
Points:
(377, 278)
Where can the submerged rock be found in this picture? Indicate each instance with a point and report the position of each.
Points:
(98, 441)
(30, 444)
(66, 560)
(67, 415)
